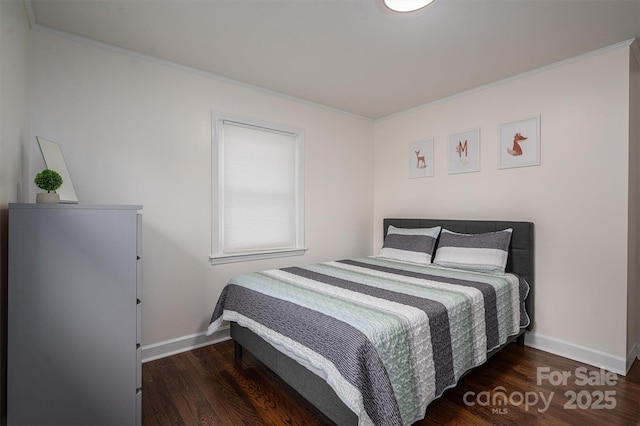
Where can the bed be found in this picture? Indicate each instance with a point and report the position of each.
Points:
(374, 340)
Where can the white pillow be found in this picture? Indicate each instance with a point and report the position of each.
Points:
(476, 252)
(410, 244)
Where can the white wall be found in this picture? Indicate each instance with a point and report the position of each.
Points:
(14, 97)
(633, 297)
(577, 197)
(14, 131)
(135, 131)
(138, 131)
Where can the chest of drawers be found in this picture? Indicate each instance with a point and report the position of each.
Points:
(74, 315)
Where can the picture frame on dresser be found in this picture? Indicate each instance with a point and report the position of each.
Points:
(54, 160)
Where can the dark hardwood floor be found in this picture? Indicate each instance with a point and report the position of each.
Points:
(207, 386)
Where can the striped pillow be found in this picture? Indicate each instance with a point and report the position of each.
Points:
(476, 252)
(410, 245)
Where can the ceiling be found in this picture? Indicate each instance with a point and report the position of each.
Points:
(352, 55)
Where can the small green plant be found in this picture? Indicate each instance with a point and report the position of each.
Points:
(49, 180)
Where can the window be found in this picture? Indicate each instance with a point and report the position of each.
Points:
(258, 190)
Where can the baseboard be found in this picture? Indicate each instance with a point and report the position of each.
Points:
(578, 353)
(631, 356)
(183, 344)
(548, 344)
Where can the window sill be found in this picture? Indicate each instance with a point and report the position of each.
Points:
(245, 257)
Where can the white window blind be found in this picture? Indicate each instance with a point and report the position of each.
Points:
(258, 196)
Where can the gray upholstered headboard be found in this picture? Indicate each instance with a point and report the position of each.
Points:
(521, 250)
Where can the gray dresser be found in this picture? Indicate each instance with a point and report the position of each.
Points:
(74, 315)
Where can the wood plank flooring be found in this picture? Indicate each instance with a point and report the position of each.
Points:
(207, 386)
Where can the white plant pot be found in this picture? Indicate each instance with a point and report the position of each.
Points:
(47, 197)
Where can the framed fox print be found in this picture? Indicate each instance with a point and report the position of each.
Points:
(519, 143)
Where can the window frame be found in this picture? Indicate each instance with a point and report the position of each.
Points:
(218, 255)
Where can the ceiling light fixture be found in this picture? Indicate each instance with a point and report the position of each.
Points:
(406, 5)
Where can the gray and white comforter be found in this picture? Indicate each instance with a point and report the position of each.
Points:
(389, 337)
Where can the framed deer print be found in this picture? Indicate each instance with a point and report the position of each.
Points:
(464, 152)
(519, 143)
(421, 159)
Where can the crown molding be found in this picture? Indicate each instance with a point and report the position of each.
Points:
(28, 7)
(168, 63)
(631, 44)
(635, 50)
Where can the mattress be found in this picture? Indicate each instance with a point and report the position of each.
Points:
(388, 336)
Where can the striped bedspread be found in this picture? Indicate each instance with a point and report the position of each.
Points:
(389, 337)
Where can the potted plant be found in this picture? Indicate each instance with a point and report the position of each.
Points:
(49, 180)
